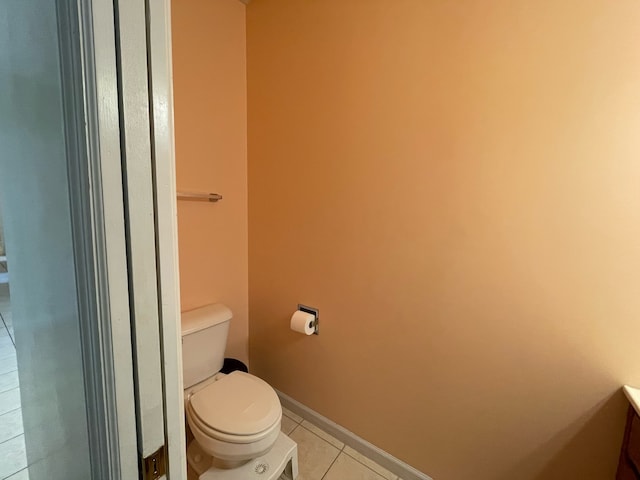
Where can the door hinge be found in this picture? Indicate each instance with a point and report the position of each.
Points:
(154, 466)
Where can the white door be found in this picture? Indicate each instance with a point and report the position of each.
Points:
(88, 192)
(150, 197)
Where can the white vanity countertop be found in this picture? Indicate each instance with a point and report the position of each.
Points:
(633, 394)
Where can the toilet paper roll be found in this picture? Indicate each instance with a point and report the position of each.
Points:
(302, 322)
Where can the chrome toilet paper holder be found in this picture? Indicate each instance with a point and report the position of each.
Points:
(316, 315)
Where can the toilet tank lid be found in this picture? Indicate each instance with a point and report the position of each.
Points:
(204, 317)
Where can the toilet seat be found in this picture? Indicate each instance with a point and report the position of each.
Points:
(238, 408)
(202, 428)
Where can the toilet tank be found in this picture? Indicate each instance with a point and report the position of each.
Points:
(204, 338)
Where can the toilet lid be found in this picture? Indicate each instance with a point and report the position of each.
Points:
(237, 404)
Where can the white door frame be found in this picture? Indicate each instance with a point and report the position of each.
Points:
(123, 122)
(89, 79)
(104, 139)
(161, 85)
(90, 121)
(146, 101)
(117, 122)
(103, 123)
(135, 125)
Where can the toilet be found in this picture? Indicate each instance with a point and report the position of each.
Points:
(234, 418)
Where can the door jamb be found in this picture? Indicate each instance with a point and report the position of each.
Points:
(163, 141)
(89, 79)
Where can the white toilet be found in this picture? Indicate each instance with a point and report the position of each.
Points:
(234, 418)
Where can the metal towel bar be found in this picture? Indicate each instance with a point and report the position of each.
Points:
(205, 197)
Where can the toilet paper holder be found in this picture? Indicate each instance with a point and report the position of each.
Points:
(316, 314)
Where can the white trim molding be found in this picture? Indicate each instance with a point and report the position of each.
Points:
(92, 126)
(382, 458)
(161, 100)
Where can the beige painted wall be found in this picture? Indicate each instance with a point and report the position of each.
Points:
(455, 185)
(210, 93)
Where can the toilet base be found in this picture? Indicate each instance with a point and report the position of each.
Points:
(282, 458)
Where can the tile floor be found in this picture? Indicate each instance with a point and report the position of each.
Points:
(323, 457)
(13, 459)
(320, 456)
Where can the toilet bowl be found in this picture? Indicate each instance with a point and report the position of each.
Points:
(234, 418)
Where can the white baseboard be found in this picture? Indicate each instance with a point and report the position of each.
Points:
(382, 458)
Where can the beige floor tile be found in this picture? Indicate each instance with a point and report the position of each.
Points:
(315, 456)
(7, 349)
(291, 415)
(287, 425)
(322, 434)
(21, 475)
(346, 468)
(6, 342)
(9, 381)
(13, 456)
(9, 400)
(11, 425)
(8, 363)
(370, 463)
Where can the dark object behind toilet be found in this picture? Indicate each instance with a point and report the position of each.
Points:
(231, 365)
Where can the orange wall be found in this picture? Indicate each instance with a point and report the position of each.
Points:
(455, 185)
(210, 94)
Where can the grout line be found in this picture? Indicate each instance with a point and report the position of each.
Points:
(7, 329)
(326, 441)
(340, 451)
(4, 323)
(15, 473)
(9, 411)
(10, 371)
(357, 461)
(367, 466)
(299, 425)
(384, 459)
(332, 463)
(293, 419)
(9, 439)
